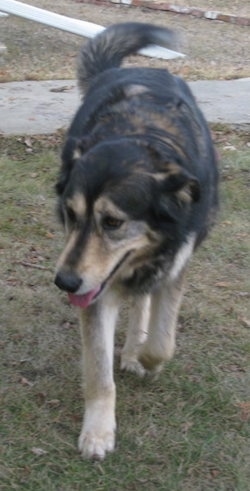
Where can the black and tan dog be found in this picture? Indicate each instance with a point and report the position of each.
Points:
(137, 194)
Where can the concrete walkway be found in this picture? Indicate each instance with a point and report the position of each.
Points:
(44, 107)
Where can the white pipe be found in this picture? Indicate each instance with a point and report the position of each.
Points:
(75, 26)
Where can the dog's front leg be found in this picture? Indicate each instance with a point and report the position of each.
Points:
(160, 343)
(97, 330)
(139, 313)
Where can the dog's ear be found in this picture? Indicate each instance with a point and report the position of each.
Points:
(177, 189)
(68, 161)
(179, 182)
(171, 175)
(73, 150)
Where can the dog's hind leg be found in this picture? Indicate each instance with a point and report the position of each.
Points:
(97, 330)
(139, 313)
(160, 343)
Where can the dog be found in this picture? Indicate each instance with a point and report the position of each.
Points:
(137, 194)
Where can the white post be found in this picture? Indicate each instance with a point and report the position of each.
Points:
(75, 26)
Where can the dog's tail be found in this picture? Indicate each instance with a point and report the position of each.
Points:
(109, 47)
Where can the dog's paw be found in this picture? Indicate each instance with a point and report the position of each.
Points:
(95, 446)
(153, 358)
(132, 365)
(150, 363)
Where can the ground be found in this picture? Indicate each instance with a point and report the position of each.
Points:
(189, 429)
(214, 49)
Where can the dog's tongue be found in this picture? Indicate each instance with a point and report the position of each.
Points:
(83, 301)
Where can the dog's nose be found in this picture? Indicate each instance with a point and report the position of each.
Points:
(69, 282)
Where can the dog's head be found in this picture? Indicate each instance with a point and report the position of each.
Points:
(119, 202)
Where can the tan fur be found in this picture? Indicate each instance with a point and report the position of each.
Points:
(142, 351)
(134, 90)
(100, 255)
(78, 204)
(71, 242)
(97, 332)
(185, 195)
(105, 205)
(160, 343)
(100, 258)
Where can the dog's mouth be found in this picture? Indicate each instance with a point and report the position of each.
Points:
(85, 299)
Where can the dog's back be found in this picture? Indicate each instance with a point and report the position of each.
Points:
(144, 103)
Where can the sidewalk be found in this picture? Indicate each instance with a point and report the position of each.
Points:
(44, 107)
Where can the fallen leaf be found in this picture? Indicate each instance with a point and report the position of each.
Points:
(243, 294)
(232, 368)
(38, 451)
(214, 472)
(223, 284)
(54, 403)
(64, 88)
(245, 410)
(241, 235)
(41, 397)
(76, 418)
(229, 147)
(12, 281)
(49, 235)
(25, 381)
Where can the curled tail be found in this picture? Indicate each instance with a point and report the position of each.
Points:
(109, 47)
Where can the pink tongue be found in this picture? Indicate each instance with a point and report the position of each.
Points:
(83, 301)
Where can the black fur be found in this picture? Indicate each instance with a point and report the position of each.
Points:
(142, 139)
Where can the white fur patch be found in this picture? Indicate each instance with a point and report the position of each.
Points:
(182, 257)
(98, 432)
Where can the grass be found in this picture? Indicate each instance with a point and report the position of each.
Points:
(188, 430)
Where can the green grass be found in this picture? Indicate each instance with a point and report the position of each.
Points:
(189, 429)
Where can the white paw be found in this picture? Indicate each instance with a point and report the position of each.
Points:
(132, 365)
(94, 445)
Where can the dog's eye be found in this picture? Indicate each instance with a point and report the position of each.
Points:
(111, 223)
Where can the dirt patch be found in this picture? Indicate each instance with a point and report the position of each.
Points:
(215, 50)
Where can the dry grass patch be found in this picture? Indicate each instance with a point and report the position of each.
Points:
(187, 430)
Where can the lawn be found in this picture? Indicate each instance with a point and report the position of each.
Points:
(215, 50)
(187, 430)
